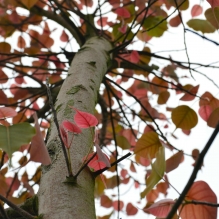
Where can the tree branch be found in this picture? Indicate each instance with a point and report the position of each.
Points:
(194, 173)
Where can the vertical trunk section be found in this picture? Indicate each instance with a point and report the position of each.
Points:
(80, 88)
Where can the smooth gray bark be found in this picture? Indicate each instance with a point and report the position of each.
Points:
(58, 200)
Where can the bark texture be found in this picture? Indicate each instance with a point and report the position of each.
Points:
(57, 199)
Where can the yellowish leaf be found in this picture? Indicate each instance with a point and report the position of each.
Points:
(148, 145)
(29, 3)
(184, 117)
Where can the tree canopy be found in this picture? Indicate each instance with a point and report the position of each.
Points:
(136, 99)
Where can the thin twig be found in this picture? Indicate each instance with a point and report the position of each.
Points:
(112, 164)
(85, 164)
(57, 126)
(216, 205)
(17, 209)
(3, 213)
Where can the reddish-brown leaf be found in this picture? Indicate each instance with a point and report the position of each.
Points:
(118, 205)
(162, 187)
(123, 12)
(134, 56)
(200, 191)
(103, 21)
(174, 161)
(105, 201)
(152, 196)
(64, 36)
(3, 77)
(161, 208)
(175, 21)
(131, 209)
(213, 119)
(191, 95)
(213, 3)
(3, 98)
(6, 112)
(38, 151)
(21, 42)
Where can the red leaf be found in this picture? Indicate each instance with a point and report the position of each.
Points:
(118, 205)
(3, 98)
(95, 164)
(123, 12)
(71, 127)
(123, 28)
(105, 201)
(7, 112)
(64, 36)
(200, 191)
(186, 132)
(102, 157)
(161, 208)
(213, 3)
(205, 111)
(103, 21)
(123, 173)
(134, 56)
(84, 119)
(196, 10)
(131, 209)
(38, 151)
(175, 21)
(21, 42)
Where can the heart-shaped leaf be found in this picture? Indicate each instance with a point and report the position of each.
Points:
(184, 117)
(6, 112)
(71, 127)
(84, 119)
(12, 137)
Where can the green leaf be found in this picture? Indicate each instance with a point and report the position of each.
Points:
(212, 15)
(184, 117)
(122, 142)
(201, 25)
(12, 137)
(158, 168)
(148, 145)
(157, 26)
(183, 4)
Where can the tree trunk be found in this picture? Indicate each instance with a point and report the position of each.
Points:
(80, 88)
